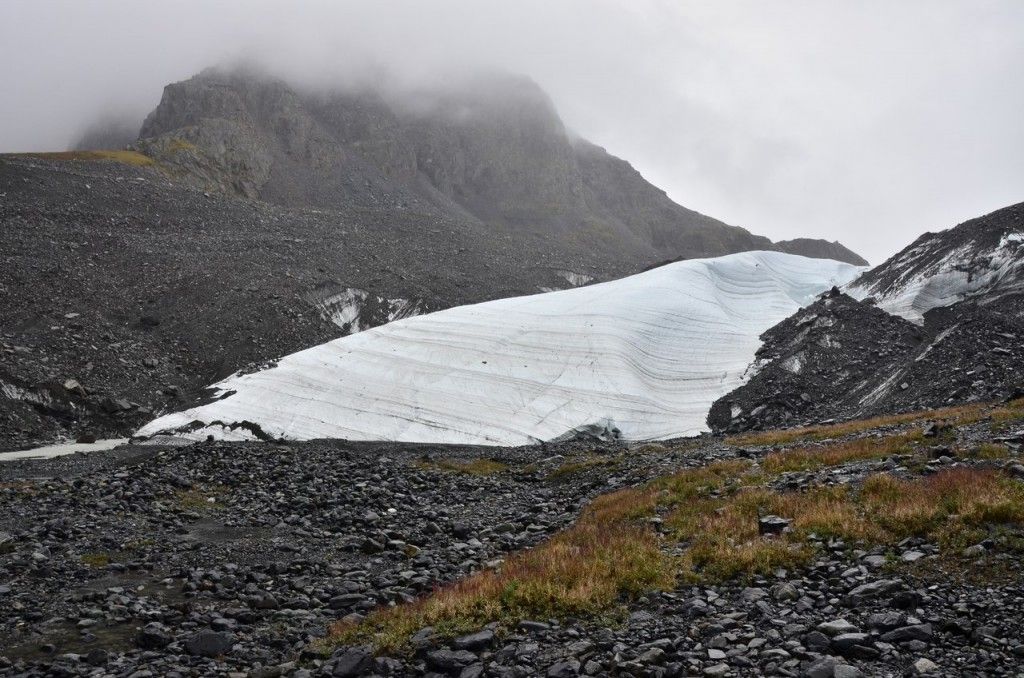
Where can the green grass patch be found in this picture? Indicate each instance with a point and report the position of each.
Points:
(990, 451)
(198, 499)
(953, 508)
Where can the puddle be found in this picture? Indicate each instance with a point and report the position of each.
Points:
(61, 449)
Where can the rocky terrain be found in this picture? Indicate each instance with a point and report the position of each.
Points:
(941, 322)
(821, 249)
(236, 559)
(981, 260)
(842, 359)
(252, 219)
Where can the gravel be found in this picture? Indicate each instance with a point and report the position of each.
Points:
(232, 559)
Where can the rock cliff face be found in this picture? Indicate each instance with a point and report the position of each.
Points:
(492, 149)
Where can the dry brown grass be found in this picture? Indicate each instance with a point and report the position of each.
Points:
(819, 456)
(954, 508)
(588, 569)
(610, 555)
(475, 467)
(963, 414)
(19, 488)
(1008, 414)
(125, 157)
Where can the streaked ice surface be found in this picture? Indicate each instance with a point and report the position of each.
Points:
(647, 354)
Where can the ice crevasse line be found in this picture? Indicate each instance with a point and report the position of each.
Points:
(649, 353)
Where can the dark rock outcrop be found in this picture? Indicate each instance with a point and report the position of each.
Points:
(842, 358)
(948, 328)
(981, 259)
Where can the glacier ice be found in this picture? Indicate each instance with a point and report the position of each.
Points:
(647, 354)
(964, 271)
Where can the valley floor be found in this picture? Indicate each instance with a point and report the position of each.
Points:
(894, 550)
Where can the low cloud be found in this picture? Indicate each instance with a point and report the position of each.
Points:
(865, 122)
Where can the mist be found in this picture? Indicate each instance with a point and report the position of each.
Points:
(866, 122)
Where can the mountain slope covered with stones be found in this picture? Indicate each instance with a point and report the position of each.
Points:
(125, 291)
(156, 559)
(941, 322)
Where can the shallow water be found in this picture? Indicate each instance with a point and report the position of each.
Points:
(49, 451)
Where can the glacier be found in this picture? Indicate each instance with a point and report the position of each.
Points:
(646, 355)
(925, 280)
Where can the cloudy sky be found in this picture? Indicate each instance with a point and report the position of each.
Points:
(863, 121)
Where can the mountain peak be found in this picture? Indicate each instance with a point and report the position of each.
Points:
(489, 147)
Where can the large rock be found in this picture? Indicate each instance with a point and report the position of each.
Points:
(210, 643)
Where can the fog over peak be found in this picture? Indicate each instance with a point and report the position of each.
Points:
(864, 122)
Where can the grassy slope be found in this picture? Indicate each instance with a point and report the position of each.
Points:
(613, 554)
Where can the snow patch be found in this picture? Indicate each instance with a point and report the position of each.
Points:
(354, 310)
(61, 449)
(793, 364)
(938, 340)
(575, 279)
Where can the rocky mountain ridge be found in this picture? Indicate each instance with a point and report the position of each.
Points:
(982, 258)
(492, 148)
(939, 323)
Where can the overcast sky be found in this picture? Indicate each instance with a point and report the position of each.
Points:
(867, 122)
